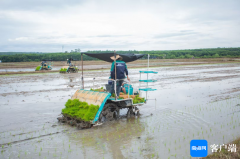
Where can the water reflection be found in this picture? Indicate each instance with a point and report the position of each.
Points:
(112, 138)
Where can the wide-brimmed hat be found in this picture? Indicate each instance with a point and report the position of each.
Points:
(117, 57)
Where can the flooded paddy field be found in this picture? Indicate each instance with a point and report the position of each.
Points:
(11, 67)
(192, 102)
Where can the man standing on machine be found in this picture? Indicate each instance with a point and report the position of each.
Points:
(69, 61)
(121, 69)
(123, 88)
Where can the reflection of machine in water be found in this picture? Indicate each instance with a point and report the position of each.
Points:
(45, 65)
(71, 81)
(71, 84)
(72, 68)
(112, 138)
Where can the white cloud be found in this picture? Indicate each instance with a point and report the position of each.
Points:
(123, 25)
(19, 39)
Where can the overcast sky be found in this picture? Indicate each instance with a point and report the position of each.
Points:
(46, 25)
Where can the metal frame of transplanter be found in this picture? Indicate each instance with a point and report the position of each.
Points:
(115, 73)
(128, 103)
(146, 89)
(109, 106)
(115, 81)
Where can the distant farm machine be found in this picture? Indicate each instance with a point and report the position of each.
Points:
(88, 108)
(46, 64)
(72, 68)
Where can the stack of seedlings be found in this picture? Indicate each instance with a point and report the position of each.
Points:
(98, 90)
(136, 98)
(77, 113)
(63, 70)
(38, 68)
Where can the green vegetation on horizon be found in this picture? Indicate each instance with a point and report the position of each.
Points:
(155, 54)
(14, 53)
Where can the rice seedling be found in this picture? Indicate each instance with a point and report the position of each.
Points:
(78, 109)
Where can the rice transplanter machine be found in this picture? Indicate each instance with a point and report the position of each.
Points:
(109, 107)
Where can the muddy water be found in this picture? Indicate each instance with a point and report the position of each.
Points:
(23, 69)
(101, 66)
(53, 68)
(192, 102)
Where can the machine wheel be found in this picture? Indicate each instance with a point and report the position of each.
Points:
(130, 112)
(110, 112)
(137, 112)
(69, 70)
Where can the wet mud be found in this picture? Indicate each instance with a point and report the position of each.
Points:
(191, 102)
(29, 67)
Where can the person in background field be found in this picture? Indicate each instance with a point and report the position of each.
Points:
(69, 62)
(121, 69)
(43, 63)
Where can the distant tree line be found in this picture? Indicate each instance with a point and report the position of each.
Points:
(154, 54)
(40, 57)
(14, 53)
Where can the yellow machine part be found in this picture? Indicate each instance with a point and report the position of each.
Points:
(65, 67)
(91, 97)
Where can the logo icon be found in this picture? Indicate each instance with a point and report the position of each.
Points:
(198, 148)
(119, 64)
